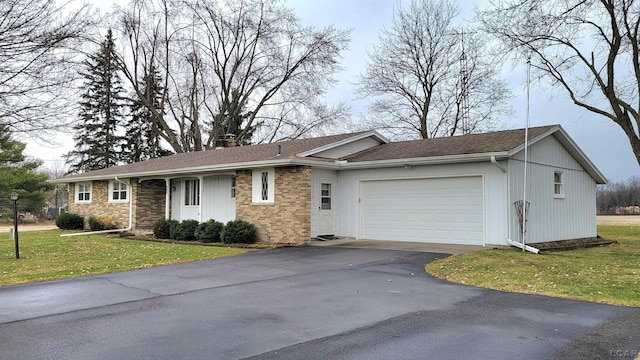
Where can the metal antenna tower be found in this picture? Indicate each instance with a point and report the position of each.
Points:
(464, 90)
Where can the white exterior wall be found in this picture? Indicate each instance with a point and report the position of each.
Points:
(348, 149)
(494, 188)
(215, 201)
(319, 176)
(550, 218)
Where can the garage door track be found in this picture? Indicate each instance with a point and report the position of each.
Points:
(306, 302)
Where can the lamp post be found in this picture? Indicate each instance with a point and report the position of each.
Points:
(14, 197)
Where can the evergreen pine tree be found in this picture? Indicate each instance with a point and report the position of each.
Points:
(98, 144)
(18, 174)
(143, 140)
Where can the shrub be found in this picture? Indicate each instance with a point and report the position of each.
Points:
(161, 228)
(70, 221)
(239, 231)
(209, 231)
(184, 231)
(99, 223)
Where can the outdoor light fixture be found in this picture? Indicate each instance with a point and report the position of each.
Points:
(14, 197)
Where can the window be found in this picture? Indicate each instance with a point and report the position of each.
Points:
(83, 192)
(558, 186)
(325, 196)
(233, 187)
(265, 185)
(192, 192)
(262, 185)
(118, 191)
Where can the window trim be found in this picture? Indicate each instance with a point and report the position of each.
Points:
(77, 192)
(558, 186)
(258, 188)
(233, 187)
(112, 190)
(194, 199)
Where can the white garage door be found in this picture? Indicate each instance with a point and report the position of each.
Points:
(443, 210)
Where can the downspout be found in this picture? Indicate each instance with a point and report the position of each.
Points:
(167, 199)
(130, 202)
(201, 181)
(526, 247)
(495, 162)
(113, 230)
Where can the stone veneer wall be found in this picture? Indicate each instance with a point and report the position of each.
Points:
(288, 219)
(149, 205)
(99, 205)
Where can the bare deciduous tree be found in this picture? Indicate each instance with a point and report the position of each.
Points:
(37, 38)
(589, 48)
(429, 77)
(246, 67)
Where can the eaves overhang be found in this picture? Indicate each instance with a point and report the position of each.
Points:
(179, 172)
(331, 165)
(430, 160)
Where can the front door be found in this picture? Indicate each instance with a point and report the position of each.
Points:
(325, 212)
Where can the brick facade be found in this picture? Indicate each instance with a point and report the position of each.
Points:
(288, 218)
(149, 205)
(99, 205)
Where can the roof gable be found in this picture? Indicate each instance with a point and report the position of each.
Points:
(348, 146)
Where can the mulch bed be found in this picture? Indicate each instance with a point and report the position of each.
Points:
(573, 244)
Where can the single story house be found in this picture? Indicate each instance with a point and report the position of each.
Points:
(457, 190)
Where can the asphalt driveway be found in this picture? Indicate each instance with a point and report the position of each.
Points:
(302, 303)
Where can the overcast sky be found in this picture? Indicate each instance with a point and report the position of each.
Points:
(600, 139)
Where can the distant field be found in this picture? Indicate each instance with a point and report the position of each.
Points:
(632, 220)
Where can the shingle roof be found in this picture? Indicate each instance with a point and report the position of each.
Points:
(232, 155)
(501, 141)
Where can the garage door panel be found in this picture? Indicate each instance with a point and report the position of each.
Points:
(446, 210)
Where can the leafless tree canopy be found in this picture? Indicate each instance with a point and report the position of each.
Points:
(621, 198)
(246, 67)
(37, 38)
(587, 47)
(423, 71)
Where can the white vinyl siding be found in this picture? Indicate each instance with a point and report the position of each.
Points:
(348, 149)
(550, 218)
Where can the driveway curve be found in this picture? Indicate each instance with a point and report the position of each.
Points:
(306, 302)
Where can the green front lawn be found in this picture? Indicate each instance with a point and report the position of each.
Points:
(44, 255)
(608, 274)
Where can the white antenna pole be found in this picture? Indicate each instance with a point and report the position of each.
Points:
(526, 148)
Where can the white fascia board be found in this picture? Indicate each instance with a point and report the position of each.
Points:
(432, 160)
(532, 141)
(373, 133)
(336, 165)
(179, 172)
